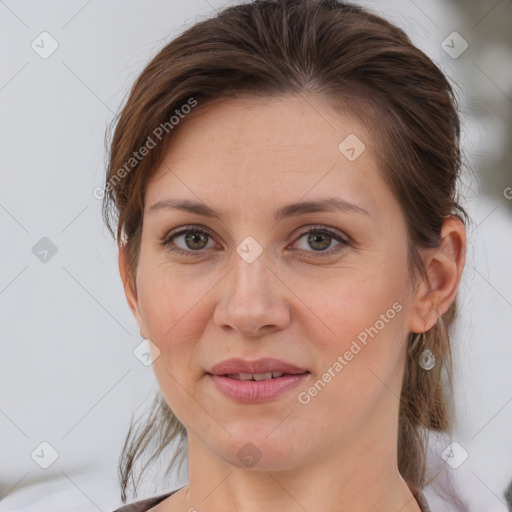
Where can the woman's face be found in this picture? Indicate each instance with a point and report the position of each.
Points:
(257, 282)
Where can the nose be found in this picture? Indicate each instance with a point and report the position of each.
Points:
(253, 299)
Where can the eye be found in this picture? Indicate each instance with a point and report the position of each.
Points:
(191, 241)
(320, 239)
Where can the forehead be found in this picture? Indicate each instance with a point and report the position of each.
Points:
(267, 149)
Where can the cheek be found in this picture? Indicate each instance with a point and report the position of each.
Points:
(166, 294)
(360, 316)
(356, 300)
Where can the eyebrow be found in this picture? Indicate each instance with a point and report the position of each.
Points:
(290, 210)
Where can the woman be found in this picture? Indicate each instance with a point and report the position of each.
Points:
(282, 187)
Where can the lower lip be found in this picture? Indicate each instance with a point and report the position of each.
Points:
(254, 391)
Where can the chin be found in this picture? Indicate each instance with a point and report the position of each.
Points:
(261, 452)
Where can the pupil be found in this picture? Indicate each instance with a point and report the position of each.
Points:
(194, 237)
(314, 238)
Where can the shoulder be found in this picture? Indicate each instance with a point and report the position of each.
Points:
(144, 505)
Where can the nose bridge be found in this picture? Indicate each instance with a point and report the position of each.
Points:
(250, 297)
(250, 260)
(248, 280)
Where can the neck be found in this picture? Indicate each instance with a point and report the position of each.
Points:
(333, 483)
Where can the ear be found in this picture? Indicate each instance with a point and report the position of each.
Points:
(444, 265)
(130, 292)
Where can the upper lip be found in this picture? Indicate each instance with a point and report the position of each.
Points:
(264, 365)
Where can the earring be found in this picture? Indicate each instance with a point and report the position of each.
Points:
(427, 360)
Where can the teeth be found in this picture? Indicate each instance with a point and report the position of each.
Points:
(262, 376)
(256, 376)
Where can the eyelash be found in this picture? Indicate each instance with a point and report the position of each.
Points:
(167, 240)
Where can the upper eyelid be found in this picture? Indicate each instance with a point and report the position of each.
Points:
(184, 229)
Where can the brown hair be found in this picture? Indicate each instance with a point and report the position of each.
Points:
(353, 59)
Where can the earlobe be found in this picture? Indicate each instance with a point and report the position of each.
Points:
(444, 266)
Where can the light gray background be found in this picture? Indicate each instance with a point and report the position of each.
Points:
(67, 372)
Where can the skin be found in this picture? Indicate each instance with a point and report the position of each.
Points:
(248, 157)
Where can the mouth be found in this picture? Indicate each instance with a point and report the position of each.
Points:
(256, 381)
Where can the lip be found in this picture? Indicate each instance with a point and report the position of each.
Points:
(255, 391)
(263, 365)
